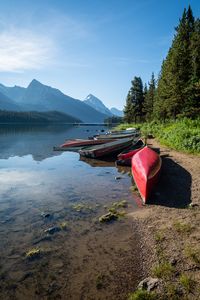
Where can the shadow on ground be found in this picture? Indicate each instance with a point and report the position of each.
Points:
(174, 187)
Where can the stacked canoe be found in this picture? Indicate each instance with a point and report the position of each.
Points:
(145, 163)
(101, 145)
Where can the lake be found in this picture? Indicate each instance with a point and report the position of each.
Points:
(51, 202)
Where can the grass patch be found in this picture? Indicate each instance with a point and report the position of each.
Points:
(172, 292)
(160, 253)
(193, 254)
(64, 225)
(182, 227)
(164, 270)
(187, 282)
(159, 236)
(143, 295)
(100, 281)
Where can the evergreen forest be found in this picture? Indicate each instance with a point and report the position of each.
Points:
(176, 92)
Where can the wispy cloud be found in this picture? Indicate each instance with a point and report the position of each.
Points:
(21, 50)
(35, 45)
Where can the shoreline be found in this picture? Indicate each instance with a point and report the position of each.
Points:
(169, 229)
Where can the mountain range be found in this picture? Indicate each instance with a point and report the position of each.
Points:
(42, 98)
(97, 104)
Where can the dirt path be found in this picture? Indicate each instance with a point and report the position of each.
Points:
(170, 224)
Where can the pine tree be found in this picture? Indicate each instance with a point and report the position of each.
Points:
(163, 92)
(133, 110)
(128, 109)
(173, 93)
(193, 101)
(137, 98)
(149, 95)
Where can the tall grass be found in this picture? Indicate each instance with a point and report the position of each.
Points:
(183, 135)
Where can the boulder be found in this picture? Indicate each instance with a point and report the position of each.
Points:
(148, 284)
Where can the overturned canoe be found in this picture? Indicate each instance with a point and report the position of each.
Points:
(146, 165)
(79, 143)
(124, 158)
(128, 153)
(106, 149)
(125, 131)
(116, 135)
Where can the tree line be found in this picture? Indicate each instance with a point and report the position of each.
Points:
(36, 117)
(176, 92)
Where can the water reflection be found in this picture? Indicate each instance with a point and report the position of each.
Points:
(39, 140)
(35, 181)
(97, 162)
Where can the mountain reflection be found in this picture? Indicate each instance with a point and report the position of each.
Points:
(39, 140)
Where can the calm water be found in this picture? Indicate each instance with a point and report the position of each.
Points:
(41, 189)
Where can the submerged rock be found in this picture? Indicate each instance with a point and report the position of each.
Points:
(118, 177)
(52, 230)
(110, 216)
(45, 215)
(33, 253)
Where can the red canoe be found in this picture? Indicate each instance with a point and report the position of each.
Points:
(80, 142)
(77, 144)
(128, 153)
(127, 161)
(124, 158)
(146, 165)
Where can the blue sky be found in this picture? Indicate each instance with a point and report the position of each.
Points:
(88, 46)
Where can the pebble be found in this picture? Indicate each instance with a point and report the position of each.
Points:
(173, 261)
(52, 230)
(45, 215)
(53, 287)
(193, 204)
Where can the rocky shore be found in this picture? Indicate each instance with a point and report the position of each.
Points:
(169, 228)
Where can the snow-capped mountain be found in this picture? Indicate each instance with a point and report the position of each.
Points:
(97, 104)
(40, 97)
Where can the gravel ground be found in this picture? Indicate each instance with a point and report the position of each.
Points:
(169, 226)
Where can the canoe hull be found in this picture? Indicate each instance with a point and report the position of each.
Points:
(128, 154)
(116, 136)
(83, 143)
(125, 157)
(106, 149)
(146, 166)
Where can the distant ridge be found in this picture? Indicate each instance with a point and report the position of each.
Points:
(7, 104)
(117, 112)
(98, 104)
(40, 97)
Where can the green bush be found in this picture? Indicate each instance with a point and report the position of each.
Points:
(142, 295)
(183, 135)
(187, 282)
